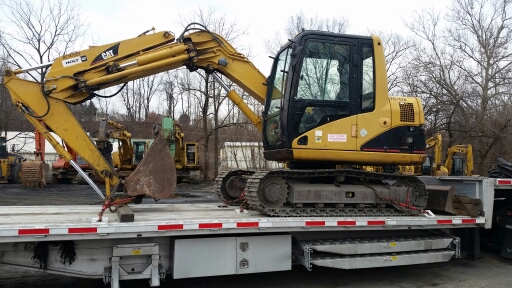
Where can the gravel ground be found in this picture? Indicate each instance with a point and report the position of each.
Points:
(490, 271)
(73, 194)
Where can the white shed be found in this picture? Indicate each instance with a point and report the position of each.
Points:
(245, 155)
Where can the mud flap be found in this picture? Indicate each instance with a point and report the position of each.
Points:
(155, 176)
(506, 250)
(33, 173)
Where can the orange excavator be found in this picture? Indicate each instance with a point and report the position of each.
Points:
(63, 172)
(33, 173)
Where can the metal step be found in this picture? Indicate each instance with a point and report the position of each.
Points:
(378, 245)
(381, 260)
(376, 252)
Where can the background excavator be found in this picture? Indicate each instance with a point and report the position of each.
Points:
(454, 164)
(34, 172)
(10, 164)
(326, 110)
(63, 172)
(129, 153)
(433, 164)
(124, 160)
(185, 154)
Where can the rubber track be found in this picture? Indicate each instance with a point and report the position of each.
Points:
(218, 185)
(255, 204)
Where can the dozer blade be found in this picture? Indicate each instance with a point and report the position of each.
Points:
(155, 176)
(33, 173)
(440, 199)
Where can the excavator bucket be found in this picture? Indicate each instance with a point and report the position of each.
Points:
(33, 173)
(440, 199)
(155, 176)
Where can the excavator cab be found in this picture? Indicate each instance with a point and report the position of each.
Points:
(327, 102)
(457, 166)
(426, 168)
(139, 148)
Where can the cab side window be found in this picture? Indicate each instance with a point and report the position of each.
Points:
(368, 88)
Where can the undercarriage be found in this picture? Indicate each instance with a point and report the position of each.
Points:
(328, 192)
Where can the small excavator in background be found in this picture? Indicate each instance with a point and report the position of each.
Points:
(129, 153)
(124, 160)
(185, 153)
(10, 164)
(63, 172)
(454, 163)
(34, 172)
(433, 164)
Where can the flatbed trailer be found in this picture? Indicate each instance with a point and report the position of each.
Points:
(196, 240)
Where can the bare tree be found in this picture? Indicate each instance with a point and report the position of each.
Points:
(464, 64)
(213, 95)
(299, 22)
(104, 106)
(148, 88)
(39, 32)
(9, 117)
(170, 88)
(397, 51)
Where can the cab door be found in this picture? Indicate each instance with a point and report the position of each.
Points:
(323, 108)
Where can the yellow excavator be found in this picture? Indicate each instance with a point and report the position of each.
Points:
(433, 164)
(326, 110)
(455, 162)
(10, 164)
(129, 153)
(185, 154)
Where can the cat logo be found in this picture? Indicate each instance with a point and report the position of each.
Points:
(107, 54)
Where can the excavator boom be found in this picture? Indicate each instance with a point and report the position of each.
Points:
(75, 77)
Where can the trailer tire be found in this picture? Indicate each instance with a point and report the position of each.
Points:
(503, 218)
(15, 177)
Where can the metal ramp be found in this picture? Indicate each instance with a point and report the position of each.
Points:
(375, 252)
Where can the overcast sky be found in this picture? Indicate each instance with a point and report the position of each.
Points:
(114, 20)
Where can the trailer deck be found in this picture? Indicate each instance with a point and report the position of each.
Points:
(31, 223)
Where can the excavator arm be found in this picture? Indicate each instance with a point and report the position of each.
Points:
(76, 77)
(436, 143)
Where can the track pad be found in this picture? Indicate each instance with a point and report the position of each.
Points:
(155, 176)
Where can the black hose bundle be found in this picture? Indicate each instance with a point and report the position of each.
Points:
(503, 169)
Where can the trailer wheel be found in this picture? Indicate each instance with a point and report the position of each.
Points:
(504, 217)
(15, 177)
